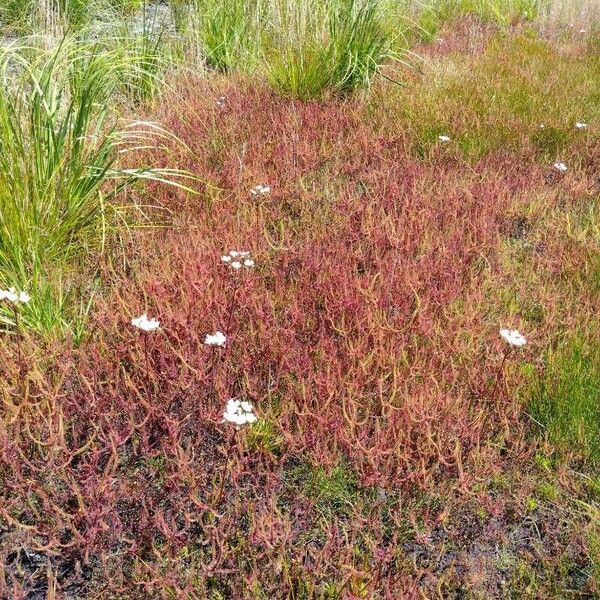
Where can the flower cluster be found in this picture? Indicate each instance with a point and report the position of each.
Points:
(580, 125)
(237, 259)
(145, 324)
(239, 412)
(15, 297)
(218, 338)
(513, 337)
(560, 166)
(444, 138)
(260, 190)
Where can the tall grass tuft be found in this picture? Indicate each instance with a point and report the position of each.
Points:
(227, 32)
(60, 165)
(326, 45)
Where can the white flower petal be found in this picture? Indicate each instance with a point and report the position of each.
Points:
(513, 337)
(142, 322)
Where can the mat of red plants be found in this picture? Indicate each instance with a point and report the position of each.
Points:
(389, 453)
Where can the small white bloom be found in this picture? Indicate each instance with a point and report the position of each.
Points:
(444, 138)
(513, 337)
(238, 412)
(579, 125)
(15, 297)
(560, 166)
(582, 31)
(221, 101)
(238, 255)
(542, 126)
(217, 338)
(145, 324)
(260, 190)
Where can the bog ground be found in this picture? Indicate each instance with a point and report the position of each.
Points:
(299, 300)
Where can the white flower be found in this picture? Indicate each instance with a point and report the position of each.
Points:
(579, 125)
(444, 138)
(260, 190)
(239, 412)
(145, 324)
(542, 126)
(560, 166)
(238, 255)
(513, 337)
(15, 297)
(217, 338)
(221, 101)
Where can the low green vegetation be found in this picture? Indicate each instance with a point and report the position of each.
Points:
(566, 403)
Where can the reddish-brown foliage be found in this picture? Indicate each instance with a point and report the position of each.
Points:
(358, 337)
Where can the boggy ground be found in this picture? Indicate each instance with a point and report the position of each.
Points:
(398, 451)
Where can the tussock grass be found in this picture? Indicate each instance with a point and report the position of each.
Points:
(60, 165)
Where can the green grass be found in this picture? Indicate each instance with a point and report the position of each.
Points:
(497, 102)
(565, 402)
(337, 45)
(227, 32)
(59, 168)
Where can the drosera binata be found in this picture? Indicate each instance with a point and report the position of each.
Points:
(580, 125)
(560, 167)
(146, 326)
(236, 261)
(444, 138)
(258, 192)
(16, 298)
(513, 339)
(239, 413)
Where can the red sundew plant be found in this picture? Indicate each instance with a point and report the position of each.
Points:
(357, 335)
